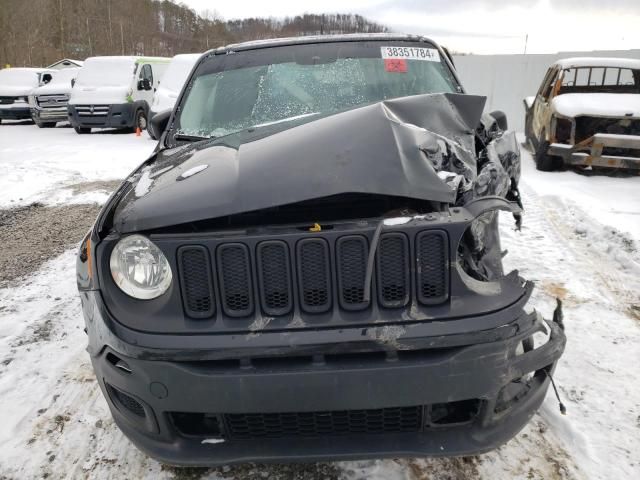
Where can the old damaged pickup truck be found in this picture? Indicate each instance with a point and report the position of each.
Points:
(586, 114)
(309, 265)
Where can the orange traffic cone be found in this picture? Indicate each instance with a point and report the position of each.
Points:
(138, 131)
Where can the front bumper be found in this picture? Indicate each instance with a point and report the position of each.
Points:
(15, 113)
(590, 152)
(102, 116)
(57, 114)
(481, 369)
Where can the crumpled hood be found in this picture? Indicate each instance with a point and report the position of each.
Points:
(597, 104)
(15, 91)
(396, 147)
(86, 95)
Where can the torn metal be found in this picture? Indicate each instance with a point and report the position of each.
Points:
(420, 147)
(436, 148)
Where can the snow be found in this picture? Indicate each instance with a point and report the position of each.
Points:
(579, 241)
(60, 82)
(212, 440)
(19, 77)
(37, 164)
(193, 171)
(598, 62)
(172, 81)
(106, 72)
(144, 183)
(597, 104)
(389, 222)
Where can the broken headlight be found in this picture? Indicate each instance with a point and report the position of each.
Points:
(563, 129)
(140, 268)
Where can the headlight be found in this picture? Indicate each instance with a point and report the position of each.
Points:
(21, 100)
(139, 268)
(563, 129)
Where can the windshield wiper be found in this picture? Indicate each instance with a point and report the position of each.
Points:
(190, 138)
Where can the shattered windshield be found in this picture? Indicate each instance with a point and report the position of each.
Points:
(296, 84)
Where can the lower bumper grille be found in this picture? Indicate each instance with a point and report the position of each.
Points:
(247, 426)
(315, 424)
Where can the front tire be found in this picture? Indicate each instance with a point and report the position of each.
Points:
(140, 121)
(82, 130)
(545, 162)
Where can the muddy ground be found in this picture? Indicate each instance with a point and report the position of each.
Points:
(33, 234)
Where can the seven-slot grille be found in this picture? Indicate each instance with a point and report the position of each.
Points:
(92, 110)
(275, 275)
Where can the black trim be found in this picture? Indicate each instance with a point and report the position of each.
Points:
(269, 295)
(187, 285)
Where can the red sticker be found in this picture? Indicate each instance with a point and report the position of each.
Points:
(396, 65)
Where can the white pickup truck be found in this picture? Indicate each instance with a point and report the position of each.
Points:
(16, 84)
(48, 103)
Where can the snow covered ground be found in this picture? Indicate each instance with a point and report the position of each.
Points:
(580, 241)
(38, 163)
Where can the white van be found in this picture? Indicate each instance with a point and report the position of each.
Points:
(115, 92)
(48, 103)
(172, 82)
(15, 86)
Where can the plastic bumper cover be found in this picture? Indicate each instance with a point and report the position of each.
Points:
(488, 372)
(116, 116)
(15, 113)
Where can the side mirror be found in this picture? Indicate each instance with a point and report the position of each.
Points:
(501, 119)
(528, 102)
(46, 78)
(144, 84)
(159, 123)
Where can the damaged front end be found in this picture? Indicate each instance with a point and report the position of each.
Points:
(333, 282)
(601, 142)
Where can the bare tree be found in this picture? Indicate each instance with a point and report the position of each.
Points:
(39, 32)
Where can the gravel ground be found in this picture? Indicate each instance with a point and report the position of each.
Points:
(33, 234)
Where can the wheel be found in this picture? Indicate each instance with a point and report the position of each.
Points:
(141, 121)
(82, 130)
(544, 162)
(46, 124)
(150, 131)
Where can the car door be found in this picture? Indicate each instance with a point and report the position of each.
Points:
(145, 83)
(541, 114)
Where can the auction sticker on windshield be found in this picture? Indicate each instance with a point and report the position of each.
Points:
(411, 53)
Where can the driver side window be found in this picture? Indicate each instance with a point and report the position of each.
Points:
(146, 73)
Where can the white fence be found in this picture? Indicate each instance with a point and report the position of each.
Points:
(506, 79)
